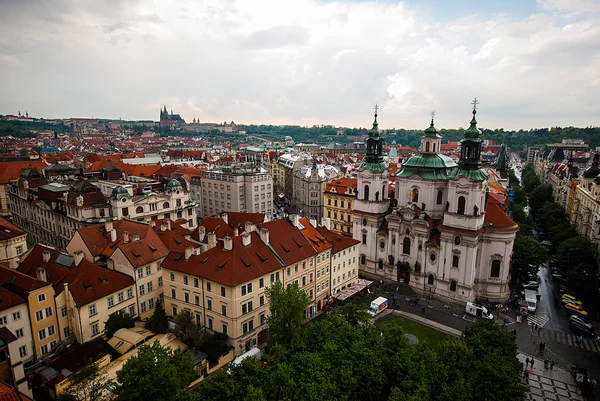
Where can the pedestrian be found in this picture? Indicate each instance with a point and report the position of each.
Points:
(526, 376)
(580, 339)
(526, 361)
(531, 363)
(546, 363)
(551, 365)
(594, 384)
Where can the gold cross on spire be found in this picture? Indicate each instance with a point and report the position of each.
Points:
(376, 108)
(432, 114)
(475, 102)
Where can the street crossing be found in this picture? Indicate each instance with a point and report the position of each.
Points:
(540, 318)
(588, 344)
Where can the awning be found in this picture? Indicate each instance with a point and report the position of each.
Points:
(356, 288)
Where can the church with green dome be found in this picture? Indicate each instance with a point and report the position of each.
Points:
(441, 232)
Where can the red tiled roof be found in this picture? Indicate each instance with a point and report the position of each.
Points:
(8, 299)
(148, 249)
(338, 241)
(314, 237)
(287, 241)
(9, 393)
(87, 282)
(6, 335)
(12, 170)
(8, 230)
(239, 219)
(174, 238)
(213, 225)
(237, 266)
(341, 185)
(496, 218)
(19, 283)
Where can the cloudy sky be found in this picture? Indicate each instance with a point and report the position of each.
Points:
(530, 63)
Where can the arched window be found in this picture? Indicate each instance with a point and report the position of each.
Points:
(475, 210)
(102, 212)
(377, 195)
(380, 264)
(426, 146)
(383, 192)
(166, 205)
(453, 285)
(432, 257)
(364, 222)
(495, 268)
(430, 279)
(461, 205)
(366, 195)
(363, 259)
(139, 209)
(415, 197)
(406, 246)
(434, 148)
(382, 244)
(440, 195)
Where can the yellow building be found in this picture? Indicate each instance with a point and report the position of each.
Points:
(13, 244)
(339, 198)
(310, 230)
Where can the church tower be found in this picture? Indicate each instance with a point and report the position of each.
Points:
(372, 202)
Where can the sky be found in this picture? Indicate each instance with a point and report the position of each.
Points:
(530, 63)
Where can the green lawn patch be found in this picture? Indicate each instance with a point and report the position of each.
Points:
(426, 335)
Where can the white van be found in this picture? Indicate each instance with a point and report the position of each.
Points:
(478, 311)
(252, 353)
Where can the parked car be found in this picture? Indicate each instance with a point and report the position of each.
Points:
(565, 290)
(571, 301)
(571, 298)
(581, 320)
(575, 309)
(582, 327)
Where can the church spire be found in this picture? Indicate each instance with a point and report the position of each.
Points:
(470, 151)
(375, 141)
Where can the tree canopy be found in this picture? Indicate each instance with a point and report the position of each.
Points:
(288, 313)
(528, 255)
(116, 321)
(159, 321)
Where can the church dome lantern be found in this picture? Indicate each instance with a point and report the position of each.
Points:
(120, 192)
(174, 186)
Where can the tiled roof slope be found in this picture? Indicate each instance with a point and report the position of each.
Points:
(287, 241)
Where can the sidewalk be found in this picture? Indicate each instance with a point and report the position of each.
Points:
(545, 384)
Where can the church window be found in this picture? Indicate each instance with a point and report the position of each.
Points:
(475, 210)
(364, 222)
(461, 205)
(166, 205)
(432, 257)
(363, 259)
(406, 246)
(380, 264)
(382, 244)
(440, 194)
(377, 195)
(455, 261)
(139, 209)
(383, 192)
(430, 279)
(364, 239)
(434, 148)
(457, 240)
(415, 197)
(453, 285)
(495, 268)
(426, 146)
(366, 195)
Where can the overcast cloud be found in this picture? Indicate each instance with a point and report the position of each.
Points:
(534, 64)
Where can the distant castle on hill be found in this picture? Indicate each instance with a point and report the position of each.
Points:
(168, 119)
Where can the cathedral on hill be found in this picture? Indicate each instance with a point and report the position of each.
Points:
(170, 119)
(440, 230)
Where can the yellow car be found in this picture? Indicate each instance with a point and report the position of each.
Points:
(566, 298)
(572, 308)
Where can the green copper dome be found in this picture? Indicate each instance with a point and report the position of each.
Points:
(428, 166)
(174, 186)
(431, 131)
(119, 193)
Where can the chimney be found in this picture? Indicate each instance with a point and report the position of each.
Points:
(228, 243)
(153, 223)
(40, 273)
(326, 222)
(212, 240)
(188, 252)
(264, 235)
(249, 227)
(313, 222)
(135, 238)
(113, 235)
(78, 255)
(246, 239)
(295, 219)
(108, 226)
(46, 256)
(236, 232)
(125, 237)
(163, 227)
(168, 221)
(225, 218)
(201, 233)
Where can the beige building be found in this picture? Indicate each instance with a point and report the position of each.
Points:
(244, 187)
(309, 185)
(585, 212)
(10, 171)
(86, 294)
(39, 296)
(131, 248)
(13, 244)
(288, 163)
(339, 196)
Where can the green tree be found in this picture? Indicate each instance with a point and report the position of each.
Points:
(159, 321)
(540, 195)
(116, 321)
(187, 330)
(288, 313)
(575, 251)
(356, 314)
(23, 152)
(87, 384)
(155, 373)
(528, 255)
(215, 346)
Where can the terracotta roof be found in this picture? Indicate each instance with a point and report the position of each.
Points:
(10, 171)
(239, 219)
(8, 299)
(19, 283)
(314, 237)
(9, 393)
(173, 239)
(341, 185)
(496, 218)
(148, 249)
(237, 266)
(213, 225)
(87, 282)
(338, 241)
(6, 335)
(8, 230)
(287, 241)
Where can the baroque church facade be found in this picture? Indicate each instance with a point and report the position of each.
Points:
(442, 232)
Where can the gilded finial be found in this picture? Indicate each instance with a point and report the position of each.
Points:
(432, 116)
(475, 102)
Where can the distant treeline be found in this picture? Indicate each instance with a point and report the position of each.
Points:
(20, 129)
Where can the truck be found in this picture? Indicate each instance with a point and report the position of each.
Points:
(531, 300)
(378, 305)
(478, 311)
(253, 352)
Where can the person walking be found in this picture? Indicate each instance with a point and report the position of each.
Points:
(551, 365)
(531, 363)
(526, 361)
